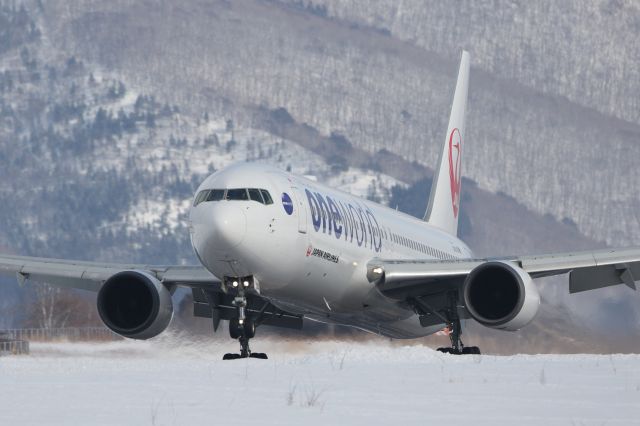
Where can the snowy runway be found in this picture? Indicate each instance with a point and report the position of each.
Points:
(177, 383)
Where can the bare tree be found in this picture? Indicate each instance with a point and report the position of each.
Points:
(54, 307)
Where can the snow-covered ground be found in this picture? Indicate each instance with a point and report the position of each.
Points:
(175, 382)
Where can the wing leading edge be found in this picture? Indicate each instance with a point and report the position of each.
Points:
(91, 275)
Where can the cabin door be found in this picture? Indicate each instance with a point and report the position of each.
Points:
(301, 209)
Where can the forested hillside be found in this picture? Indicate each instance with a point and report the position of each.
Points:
(553, 114)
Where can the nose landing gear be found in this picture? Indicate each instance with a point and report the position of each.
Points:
(242, 328)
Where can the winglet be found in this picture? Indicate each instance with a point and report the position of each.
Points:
(444, 202)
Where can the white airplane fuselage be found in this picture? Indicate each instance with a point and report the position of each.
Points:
(308, 250)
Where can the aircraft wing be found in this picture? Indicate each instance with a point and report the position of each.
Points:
(209, 299)
(587, 270)
(91, 275)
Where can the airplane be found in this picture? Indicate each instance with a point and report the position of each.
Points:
(276, 249)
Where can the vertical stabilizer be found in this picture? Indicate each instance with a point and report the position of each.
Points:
(444, 202)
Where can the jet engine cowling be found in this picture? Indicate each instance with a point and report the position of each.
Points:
(501, 295)
(135, 304)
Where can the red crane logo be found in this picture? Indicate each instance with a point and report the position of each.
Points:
(455, 154)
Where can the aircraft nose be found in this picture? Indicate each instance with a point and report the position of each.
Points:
(228, 226)
(216, 229)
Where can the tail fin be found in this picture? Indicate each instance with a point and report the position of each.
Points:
(444, 202)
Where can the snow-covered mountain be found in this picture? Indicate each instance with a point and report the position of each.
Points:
(553, 117)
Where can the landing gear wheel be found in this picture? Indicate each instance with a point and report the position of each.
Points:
(467, 350)
(471, 350)
(249, 328)
(234, 328)
(258, 355)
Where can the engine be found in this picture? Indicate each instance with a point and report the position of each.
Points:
(135, 304)
(501, 295)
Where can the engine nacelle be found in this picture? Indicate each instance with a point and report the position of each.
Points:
(501, 295)
(135, 304)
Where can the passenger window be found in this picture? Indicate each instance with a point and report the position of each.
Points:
(237, 194)
(266, 196)
(215, 195)
(254, 195)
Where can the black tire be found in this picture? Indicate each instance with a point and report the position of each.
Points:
(227, 357)
(259, 355)
(471, 350)
(445, 350)
(249, 329)
(234, 328)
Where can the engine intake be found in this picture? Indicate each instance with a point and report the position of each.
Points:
(135, 304)
(501, 295)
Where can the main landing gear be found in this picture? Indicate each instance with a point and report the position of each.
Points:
(457, 347)
(442, 308)
(243, 327)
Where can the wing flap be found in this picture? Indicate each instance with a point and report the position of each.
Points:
(595, 277)
(558, 263)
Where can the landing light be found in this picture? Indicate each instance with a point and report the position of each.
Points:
(235, 283)
(246, 283)
(377, 270)
(241, 321)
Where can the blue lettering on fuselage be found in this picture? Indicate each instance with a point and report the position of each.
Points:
(316, 218)
(333, 216)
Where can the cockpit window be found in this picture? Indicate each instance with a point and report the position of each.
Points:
(266, 196)
(237, 194)
(209, 195)
(200, 197)
(254, 195)
(260, 195)
(215, 195)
